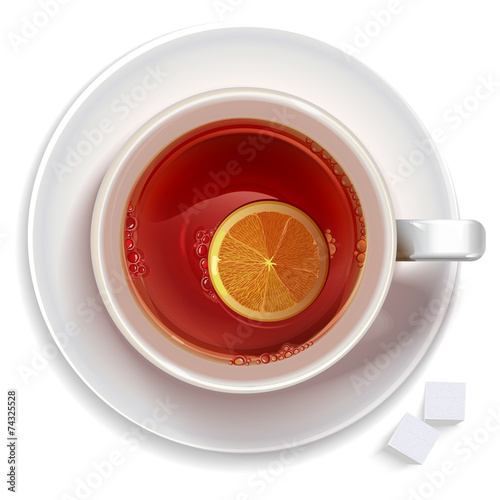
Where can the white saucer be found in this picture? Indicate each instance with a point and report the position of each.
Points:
(128, 94)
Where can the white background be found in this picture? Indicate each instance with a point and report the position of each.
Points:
(433, 54)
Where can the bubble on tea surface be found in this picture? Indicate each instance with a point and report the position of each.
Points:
(361, 246)
(206, 284)
(265, 358)
(131, 223)
(202, 250)
(239, 360)
(202, 240)
(345, 181)
(133, 257)
(316, 148)
(337, 170)
(330, 240)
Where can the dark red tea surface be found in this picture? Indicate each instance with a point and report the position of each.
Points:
(189, 189)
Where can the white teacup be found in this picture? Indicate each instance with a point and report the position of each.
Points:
(388, 239)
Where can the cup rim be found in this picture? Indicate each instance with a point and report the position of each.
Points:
(117, 304)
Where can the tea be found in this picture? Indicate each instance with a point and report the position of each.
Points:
(244, 241)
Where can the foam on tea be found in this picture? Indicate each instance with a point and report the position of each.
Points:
(244, 241)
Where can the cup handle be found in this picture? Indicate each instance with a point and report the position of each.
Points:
(446, 239)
